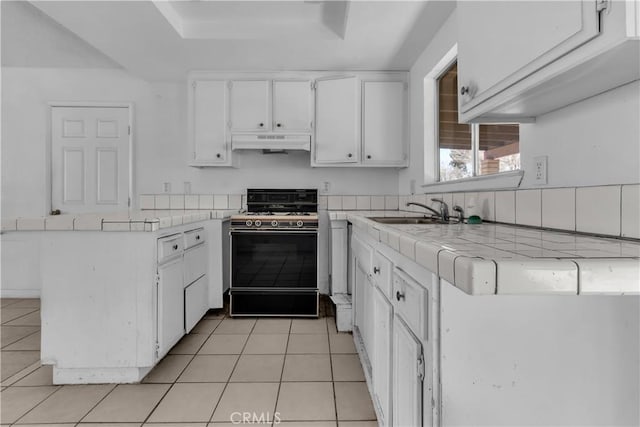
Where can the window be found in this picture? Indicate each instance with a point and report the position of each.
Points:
(471, 150)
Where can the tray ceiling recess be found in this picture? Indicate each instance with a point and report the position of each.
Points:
(248, 20)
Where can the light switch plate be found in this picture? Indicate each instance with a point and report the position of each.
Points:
(540, 169)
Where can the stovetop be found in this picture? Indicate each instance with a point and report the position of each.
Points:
(282, 200)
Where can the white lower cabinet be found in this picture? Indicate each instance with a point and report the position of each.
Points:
(382, 327)
(170, 305)
(407, 374)
(182, 286)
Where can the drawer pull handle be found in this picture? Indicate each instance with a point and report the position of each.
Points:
(198, 237)
(376, 270)
(175, 247)
(464, 90)
(399, 296)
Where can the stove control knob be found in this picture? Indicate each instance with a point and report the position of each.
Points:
(258, 223)
(249, 223)
(274, 223)
(299, 223)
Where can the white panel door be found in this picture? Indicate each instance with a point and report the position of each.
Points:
(90, 151)
(407, 379)
(292, 105)
(337, 120)
(210, 145)
(383, 124)
(383, 320)
(249, 105)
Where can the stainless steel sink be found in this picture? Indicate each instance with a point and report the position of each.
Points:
(409, 220)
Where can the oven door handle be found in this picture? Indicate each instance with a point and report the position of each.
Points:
(263, 231)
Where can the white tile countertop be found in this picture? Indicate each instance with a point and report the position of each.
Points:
(490, 258)
(137, 220)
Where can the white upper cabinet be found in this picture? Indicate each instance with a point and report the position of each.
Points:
(384, 122)
(249, 105)
(292, 106)
(208, 123)
(355, 120)
(282, 106)
(518, 60)
(337, 121)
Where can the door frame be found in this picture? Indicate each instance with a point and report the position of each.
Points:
(49, 149)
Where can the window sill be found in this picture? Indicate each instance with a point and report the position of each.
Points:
(499, 181)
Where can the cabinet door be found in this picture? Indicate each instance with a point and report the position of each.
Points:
(359, 296)
(292, 106)
(209, 126)
(196, 302)
(383, 319)
(170, 305)
(407, 376)
(500, 43)
(249, 105)
(384, 122)
(337, 121)
(367, 329)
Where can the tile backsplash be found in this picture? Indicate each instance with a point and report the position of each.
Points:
(612, 210)
(239, 201)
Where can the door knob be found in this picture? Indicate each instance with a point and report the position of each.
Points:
(349, 155)
(376, 270)
(399, 295)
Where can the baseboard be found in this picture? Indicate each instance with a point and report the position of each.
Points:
(19, 293)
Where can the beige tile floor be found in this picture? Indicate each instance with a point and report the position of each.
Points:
(303, 370)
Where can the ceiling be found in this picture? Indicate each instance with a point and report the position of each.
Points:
(164, 40)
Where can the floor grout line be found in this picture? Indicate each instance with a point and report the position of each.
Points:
(325, 315)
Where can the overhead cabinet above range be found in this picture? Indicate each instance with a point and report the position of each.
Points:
(281, 106)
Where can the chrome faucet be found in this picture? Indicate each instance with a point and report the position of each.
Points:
(444, 210)
(429, 208)
(460, 211)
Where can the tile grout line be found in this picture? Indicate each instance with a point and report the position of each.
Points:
(98, 402)
(333, 382)
(226, 384)
(284, 361)
(5, 323)
(19, 339)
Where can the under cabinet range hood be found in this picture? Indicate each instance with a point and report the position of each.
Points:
(271, 142)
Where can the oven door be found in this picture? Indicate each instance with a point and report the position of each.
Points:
(274, 259)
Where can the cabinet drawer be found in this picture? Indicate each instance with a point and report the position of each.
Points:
(193, 238)
(381, 271)
(195, 302)
(410, 302)
(169, 247)
(195, 263)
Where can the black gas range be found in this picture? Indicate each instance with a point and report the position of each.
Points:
(274, 254)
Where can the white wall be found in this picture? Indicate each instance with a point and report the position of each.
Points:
(593, 142)
(442, 42)
(160, 146)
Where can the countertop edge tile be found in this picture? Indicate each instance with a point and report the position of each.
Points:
(475, 276)
(600, 276)
(536, 277)
(461, 260)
